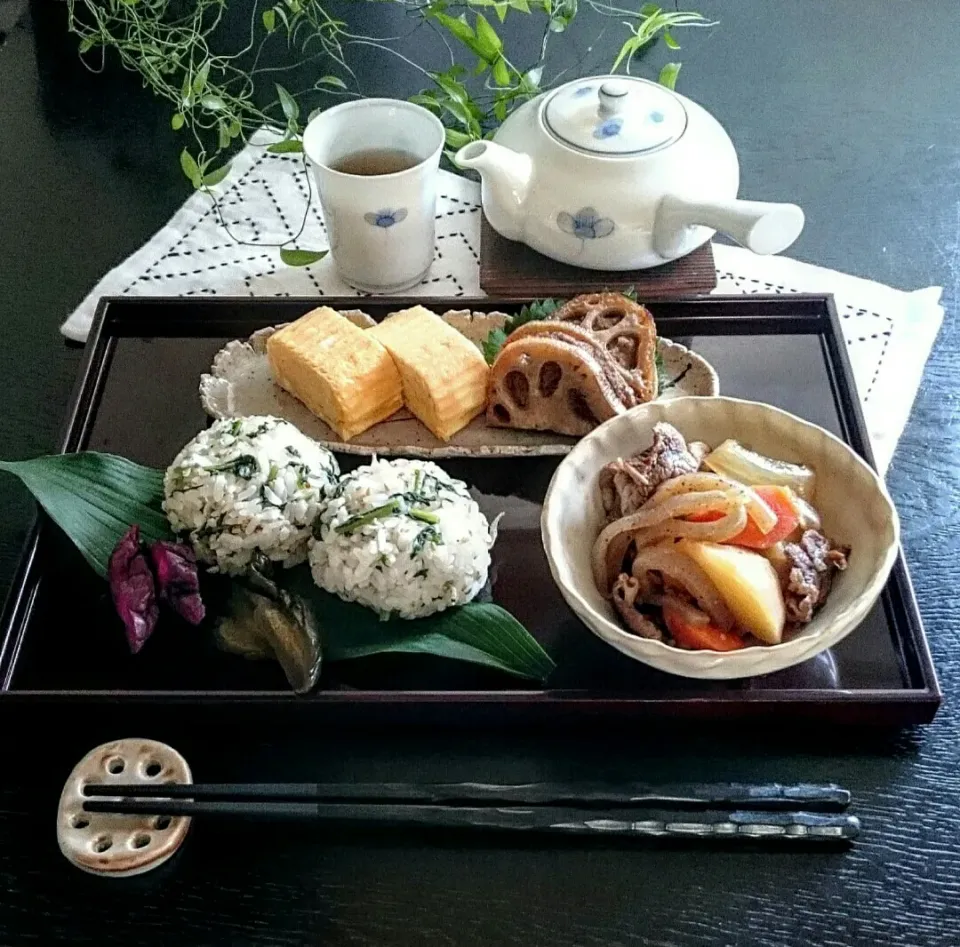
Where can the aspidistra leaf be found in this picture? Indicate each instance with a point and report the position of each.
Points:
(479, 632)
(94, 498)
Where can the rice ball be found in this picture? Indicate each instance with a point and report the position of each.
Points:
(246, 486)
(403, 538)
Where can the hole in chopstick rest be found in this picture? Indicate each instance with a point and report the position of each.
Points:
(102, 844)
(162, 822)
(152, 769)
(79, 821)
(115, 766)
(140, 840)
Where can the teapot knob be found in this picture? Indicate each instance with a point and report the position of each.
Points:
(613, 96)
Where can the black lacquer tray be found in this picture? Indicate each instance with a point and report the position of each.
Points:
(62, 646)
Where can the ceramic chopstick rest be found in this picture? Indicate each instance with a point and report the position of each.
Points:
(119, 846)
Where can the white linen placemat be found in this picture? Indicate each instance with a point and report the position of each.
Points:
(889, 332)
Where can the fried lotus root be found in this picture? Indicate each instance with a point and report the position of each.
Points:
(582, 339)
(625, 329)
(544, 384)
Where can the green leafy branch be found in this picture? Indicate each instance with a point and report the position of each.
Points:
(219, 98)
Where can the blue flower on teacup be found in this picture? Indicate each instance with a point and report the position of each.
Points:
(656, 117)
(586, 224)
(386, 218)
(582, 91)
(608, 128)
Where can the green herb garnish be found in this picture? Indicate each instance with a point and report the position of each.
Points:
(350, 526)
(425, 516)
(534, 312)
(426, 535)
(244, 466)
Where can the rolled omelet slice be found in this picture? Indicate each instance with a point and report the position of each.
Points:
(444, 375)
(340, 372)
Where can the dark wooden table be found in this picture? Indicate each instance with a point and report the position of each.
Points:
(850, 108)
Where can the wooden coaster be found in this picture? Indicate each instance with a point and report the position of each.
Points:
(118, 846)
(513, 269)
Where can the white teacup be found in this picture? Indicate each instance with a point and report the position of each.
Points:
(380, 226)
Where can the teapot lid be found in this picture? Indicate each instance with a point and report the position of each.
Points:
(615, 115)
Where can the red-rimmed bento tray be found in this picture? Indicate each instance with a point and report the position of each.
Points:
(137, 395)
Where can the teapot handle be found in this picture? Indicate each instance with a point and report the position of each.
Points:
(759, 226)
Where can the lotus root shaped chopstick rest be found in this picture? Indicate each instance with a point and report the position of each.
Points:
(113, 845)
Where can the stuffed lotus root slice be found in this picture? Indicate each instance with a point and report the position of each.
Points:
(626, 331)
(665, 564)
(618, 379)
(596, 311)
(614, 540)
(578, 400)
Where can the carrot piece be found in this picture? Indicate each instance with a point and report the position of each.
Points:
(691, 628)
(779, 499)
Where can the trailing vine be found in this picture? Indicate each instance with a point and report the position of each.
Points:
(218, 97)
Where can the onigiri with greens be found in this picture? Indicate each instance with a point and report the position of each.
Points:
(403, 538)
(246, 486)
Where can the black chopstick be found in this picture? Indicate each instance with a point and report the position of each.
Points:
(768, 797)
(557, 820)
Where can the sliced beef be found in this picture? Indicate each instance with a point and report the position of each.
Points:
(625, 592)
(625, 485)
(812, 562)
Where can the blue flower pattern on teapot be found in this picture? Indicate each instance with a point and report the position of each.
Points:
(608, 128)
(386, 218)
(585, 224)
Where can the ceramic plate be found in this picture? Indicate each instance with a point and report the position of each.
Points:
(852, 500)
(240, 383)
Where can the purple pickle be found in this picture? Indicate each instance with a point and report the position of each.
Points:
(133, 589)
(175, 566)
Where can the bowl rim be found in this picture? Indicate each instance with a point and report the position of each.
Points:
(662, 653)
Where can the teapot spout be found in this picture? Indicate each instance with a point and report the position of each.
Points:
(504, 182)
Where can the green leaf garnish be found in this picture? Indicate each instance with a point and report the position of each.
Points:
(492, 344)
(479, 632)
(535, 311)
(95, 498)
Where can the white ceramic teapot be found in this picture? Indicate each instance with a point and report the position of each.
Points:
(617, 173)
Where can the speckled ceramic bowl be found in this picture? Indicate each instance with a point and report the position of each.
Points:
(852, 500)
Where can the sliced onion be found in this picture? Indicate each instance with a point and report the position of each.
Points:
(737, 462)
(672, 564)
(615, 538)
(809, 517)
(757, 509)
(717, 531)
